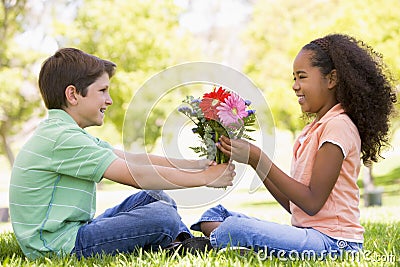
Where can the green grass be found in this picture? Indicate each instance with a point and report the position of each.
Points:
(381, 245)
(381, 248)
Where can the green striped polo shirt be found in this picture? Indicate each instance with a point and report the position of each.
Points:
(53, 185)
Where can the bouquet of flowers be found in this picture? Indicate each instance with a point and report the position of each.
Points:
(219, 112)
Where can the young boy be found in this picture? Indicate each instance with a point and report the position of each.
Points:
(53, 181)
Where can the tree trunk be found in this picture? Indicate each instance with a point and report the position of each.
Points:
(4, 215)
(372, 195)
(7, 149)
(368, 179)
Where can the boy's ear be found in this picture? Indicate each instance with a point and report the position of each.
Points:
(333, 79)
(71, 95)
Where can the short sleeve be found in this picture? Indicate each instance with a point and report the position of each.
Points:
(80, 155)
(340, 131)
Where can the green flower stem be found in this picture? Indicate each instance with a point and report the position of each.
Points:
(219, 156)
(218, 152)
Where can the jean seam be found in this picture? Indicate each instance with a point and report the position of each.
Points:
(213, 238)
(119, 239)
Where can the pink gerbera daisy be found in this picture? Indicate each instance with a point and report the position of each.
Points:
(232, 111)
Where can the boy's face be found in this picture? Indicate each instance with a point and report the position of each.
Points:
(90, 109)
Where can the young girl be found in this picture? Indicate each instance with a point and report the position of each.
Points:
(345, 84)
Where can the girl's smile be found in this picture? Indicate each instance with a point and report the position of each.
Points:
(313, 89)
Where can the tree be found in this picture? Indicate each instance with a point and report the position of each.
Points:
(19, 98)
(279, 29)
(142, 38)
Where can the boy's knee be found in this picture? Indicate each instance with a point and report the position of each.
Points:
(166, 212)
(160, 195)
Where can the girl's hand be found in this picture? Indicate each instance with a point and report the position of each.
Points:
(236, 149)
(220, 175)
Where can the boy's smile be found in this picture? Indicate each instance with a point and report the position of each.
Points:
(89, 110)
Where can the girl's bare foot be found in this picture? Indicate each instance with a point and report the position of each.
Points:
(208, 227)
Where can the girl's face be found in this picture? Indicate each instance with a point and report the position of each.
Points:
(314, 90)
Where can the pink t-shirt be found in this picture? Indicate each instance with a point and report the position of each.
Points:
(340, 216)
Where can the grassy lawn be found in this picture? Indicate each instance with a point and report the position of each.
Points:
(381, 248)
(381, 245)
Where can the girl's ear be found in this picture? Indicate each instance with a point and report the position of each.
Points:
(71, 95)
(333, 79)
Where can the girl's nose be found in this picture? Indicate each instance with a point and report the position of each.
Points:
(296, 86)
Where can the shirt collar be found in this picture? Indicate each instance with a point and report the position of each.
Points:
(61, 114)
(333, 112)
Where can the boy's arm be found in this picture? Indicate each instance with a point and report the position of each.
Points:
(149, 159)
(161, 177)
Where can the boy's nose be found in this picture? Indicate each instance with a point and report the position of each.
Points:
(109, 100)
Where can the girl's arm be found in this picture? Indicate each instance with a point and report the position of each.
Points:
(149, 159)
(243, 151)
(310, 198)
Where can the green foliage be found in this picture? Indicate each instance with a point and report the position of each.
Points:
(278, 30)
(19, 97)
(142, 38)
(11, 23)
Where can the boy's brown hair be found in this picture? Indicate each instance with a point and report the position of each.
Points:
(70, 66)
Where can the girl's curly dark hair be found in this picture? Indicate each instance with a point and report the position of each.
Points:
(365, 87)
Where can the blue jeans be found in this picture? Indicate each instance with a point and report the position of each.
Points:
(148, 219)
(238, 229)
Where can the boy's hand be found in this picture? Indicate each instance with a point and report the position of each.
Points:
(220, 175)
(236, 149)
(205, 163)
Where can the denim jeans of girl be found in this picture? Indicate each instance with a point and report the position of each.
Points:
(148, 219)
(277, 239)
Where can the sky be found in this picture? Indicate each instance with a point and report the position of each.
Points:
(205, 14)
